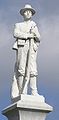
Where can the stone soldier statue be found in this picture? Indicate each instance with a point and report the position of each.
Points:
(26, 53)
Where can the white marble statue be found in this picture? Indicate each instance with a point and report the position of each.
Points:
(26, 45)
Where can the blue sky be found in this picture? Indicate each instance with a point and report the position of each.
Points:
(47, 19)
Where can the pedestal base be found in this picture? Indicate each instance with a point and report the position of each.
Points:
(28, 108)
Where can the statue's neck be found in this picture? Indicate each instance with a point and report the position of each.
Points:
(27, 20)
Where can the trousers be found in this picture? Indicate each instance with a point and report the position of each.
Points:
(22, 58)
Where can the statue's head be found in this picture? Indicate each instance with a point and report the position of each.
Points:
(27, 12)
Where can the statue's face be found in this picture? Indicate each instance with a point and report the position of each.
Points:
(27, 14)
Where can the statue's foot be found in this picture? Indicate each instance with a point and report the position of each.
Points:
(35, 93)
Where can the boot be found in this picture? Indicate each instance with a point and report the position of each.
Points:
(33, 86)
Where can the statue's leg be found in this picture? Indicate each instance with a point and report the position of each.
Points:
(21, 62)
(33, 72)
(21, 83)
(22, 59)
(33, 85)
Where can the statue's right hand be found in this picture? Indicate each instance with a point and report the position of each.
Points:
(30, 35)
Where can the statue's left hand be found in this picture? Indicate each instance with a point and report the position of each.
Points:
(31, 35)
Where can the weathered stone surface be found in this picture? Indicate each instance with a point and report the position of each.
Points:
(28, 108)
(27, 41)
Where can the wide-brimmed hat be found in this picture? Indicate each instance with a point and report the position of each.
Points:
(27, 7)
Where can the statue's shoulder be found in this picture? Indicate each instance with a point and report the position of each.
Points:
(33, 23)
(18, 24)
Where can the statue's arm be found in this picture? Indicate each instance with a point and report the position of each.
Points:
(36, 34)
(35, 31)
(18, 33)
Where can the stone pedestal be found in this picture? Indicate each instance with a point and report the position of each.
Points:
(28, 107)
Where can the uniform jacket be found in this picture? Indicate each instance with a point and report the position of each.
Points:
(22, 31)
